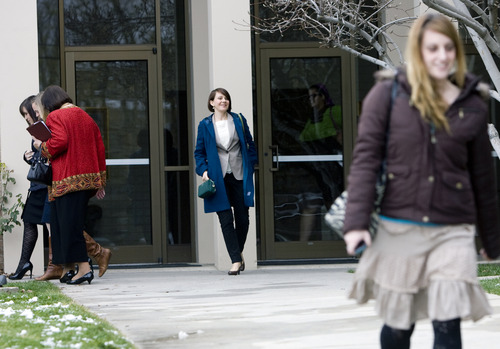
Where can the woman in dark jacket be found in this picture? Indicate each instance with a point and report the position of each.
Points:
(34, 205)
(225, 153)
(440, 190)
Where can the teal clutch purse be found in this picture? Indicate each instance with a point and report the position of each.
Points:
(206, 189)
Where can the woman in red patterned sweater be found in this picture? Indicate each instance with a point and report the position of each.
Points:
(76, 152)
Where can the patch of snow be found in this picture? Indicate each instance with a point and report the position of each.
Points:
(27, 313)
(7, 312)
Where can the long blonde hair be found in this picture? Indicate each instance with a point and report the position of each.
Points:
(38, 101)
(424, 95)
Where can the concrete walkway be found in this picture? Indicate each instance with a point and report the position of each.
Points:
(271, 307)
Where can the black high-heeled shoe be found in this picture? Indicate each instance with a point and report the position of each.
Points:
(91, 266)
(87, 277)
(19, 274)
(67, 277)
(242, 268)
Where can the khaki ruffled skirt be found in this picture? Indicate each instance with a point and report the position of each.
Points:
(415, 272)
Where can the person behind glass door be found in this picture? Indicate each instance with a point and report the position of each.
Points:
(34, 205)
(225, 152)
(440, 189)
(76, 151)
(322, 135)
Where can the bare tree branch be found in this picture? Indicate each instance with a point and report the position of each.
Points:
(350, 25)
(355, 26)
(467, 20)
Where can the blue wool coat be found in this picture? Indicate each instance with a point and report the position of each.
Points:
(207, 158)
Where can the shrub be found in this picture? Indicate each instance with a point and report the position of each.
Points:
(9, 212)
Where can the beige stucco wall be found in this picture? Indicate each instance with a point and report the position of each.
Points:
(221, 57)
(19, 79)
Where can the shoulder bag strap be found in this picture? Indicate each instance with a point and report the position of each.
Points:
(243, 128)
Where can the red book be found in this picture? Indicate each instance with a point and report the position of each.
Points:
(40, 131)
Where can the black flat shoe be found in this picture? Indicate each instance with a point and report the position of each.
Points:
(87, 277)
(19, 274)
(67, 277)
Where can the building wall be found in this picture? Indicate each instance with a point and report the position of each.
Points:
(19, 72)
(220, 57)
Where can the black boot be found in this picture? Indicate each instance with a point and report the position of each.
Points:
(30, 236)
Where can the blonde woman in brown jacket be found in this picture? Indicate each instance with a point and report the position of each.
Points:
(440, 191)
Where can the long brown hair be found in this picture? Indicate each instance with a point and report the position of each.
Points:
(424, 95)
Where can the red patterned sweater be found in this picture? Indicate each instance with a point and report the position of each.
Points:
(76, 151)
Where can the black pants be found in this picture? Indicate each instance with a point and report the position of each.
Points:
(234, 227)
(67, 219)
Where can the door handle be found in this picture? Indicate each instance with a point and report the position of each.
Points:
(275, 153)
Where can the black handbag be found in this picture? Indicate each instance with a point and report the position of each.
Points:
(40, 170)
(206, 189)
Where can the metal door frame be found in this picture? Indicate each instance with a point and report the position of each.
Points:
(156, 252)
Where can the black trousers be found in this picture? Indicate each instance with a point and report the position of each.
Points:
(67, 218)
(234, 226)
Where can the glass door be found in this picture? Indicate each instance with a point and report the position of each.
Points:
(306, 111)
(118, 90)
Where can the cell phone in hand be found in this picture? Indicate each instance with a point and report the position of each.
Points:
(360, 248)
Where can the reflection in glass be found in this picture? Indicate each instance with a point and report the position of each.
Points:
(109, 22)
(299, 207)
(173, 43)
(307, 129)
(176, 146)
(178, 216)
(49, 61)
(115, 94)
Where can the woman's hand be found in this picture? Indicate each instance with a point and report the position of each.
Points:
(36, 143)
(205, 176)
(354, 237)
(28, 155)
(101, 193)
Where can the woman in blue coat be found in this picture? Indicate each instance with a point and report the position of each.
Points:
(225, 152)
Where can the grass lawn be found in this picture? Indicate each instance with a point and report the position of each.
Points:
(40, 316)
(490, 269)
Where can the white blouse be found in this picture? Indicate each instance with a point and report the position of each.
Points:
(224, 137)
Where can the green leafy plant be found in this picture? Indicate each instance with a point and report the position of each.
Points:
(9, 212)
